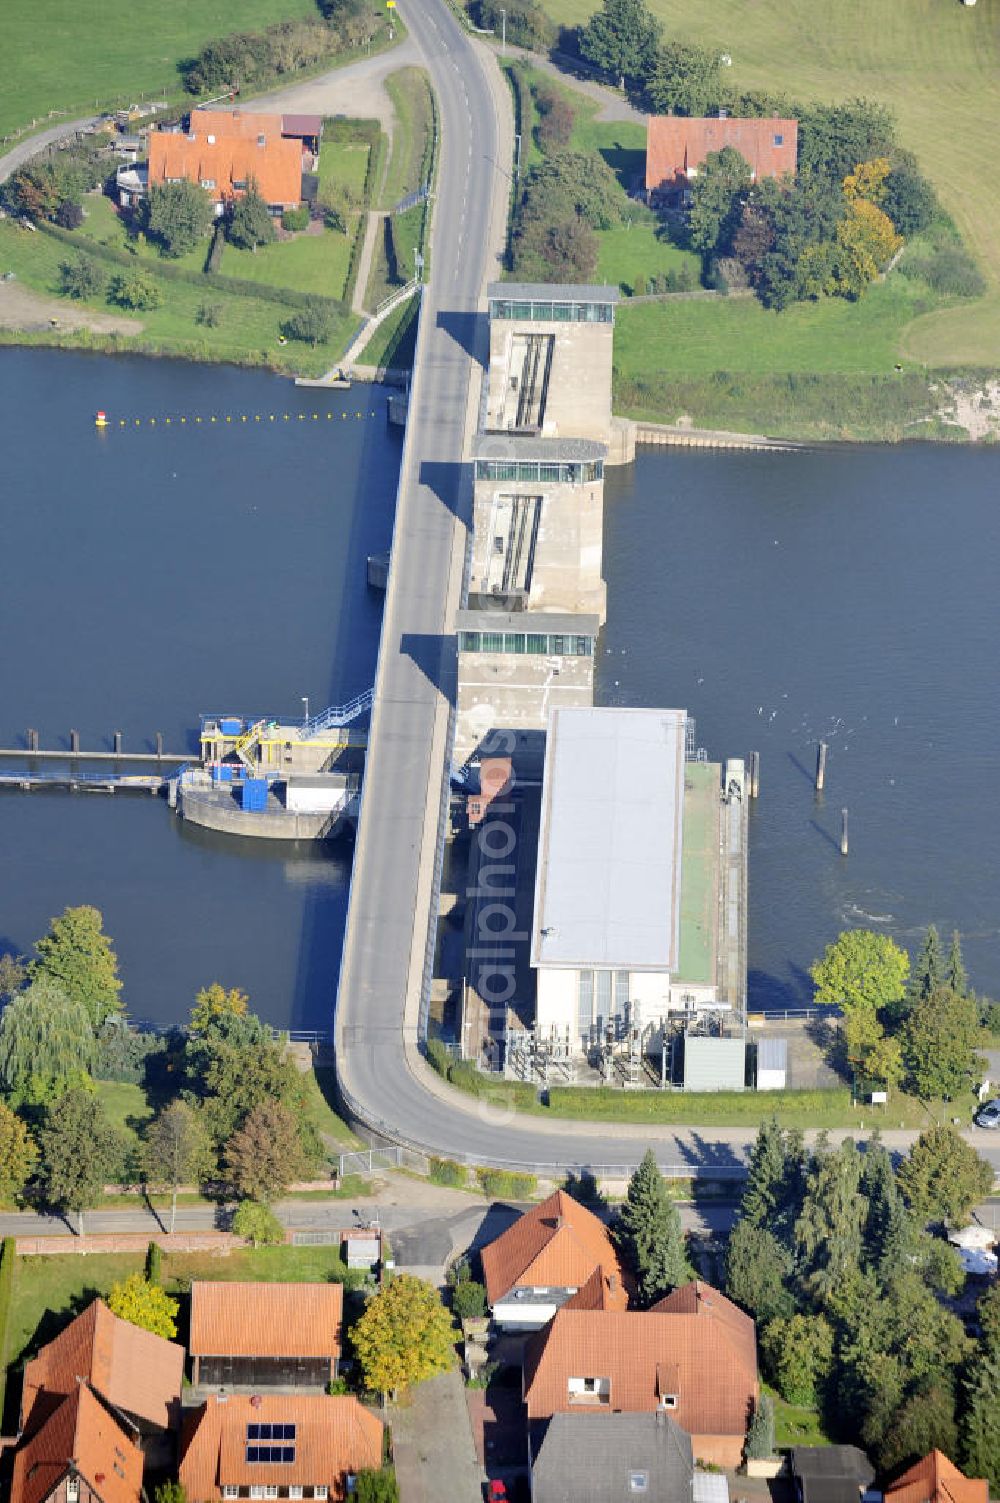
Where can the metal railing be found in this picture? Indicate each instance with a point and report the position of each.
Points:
(337, 716)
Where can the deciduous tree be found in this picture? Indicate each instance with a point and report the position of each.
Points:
(717, 199)
(376, 1486)
(179, 216)
(939, 1044)
(404, 1335)
(13, 974)
(265, 1155)
(81, 1152)
(144, 1304)
(621, 38)
(943, 1177)
(257, 1224)
(685, 80)
(649, 1231)
(798, 1356)
(83, 278)
(79, 957)
(215, 1002)
(834, 137)
(312, 324)
(861, 972)
(177, 1151)
(18, 1154)
(250, 223)
(46, 1043)
(910, 201)
(234, 1063)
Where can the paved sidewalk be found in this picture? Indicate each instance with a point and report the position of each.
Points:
(432, 1444)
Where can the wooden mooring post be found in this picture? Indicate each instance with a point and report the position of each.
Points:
(74, 741)
(820, 766)
(118, 743)
(32, 739)
(843, 832)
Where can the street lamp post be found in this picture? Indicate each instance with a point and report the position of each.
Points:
(305, 708)
(503, 43)
(517, 156)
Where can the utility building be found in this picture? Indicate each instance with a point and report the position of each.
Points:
(550, 362)
(632, 891)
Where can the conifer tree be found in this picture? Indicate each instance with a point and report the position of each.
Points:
(981, 1422)
(956, 976)
(927, 969)
(828, 1233)
(650, 1233)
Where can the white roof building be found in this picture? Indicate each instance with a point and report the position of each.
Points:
(609, 855)
(609, 910)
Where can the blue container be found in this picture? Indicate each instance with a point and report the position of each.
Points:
(254, 794)
(229, 726)
(223, 774)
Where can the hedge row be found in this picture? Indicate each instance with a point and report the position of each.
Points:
(448, 1172)
(506, 1184)
(8, 1256)
(285, 296)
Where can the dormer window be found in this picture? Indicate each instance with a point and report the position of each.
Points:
(638, 1482)
(779, 140)
(211, 140)
(261, 141)
(669, 1401)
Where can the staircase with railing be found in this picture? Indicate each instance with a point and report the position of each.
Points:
(246, 744)
(337, 716)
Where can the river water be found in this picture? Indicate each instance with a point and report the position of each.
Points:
(155, 572)
(848, 595)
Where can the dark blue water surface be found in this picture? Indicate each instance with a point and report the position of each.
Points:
(847, 595)
(155, 572)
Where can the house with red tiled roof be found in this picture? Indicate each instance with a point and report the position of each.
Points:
(694, 1355)
(259, 1335)
(224, 151)
(81, 1452)
(135, 1372)
(677, 145)
(935, 1479)
(547, 1256)
(277, 1445)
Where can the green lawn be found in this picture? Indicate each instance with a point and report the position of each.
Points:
(807, 1109)
(795, 1425)
(247, 333)
(631, 250)
(61, 55)
(125, 1104)
(308, 263)
(342, 164)
(321, 1083)
(737, 334)
(409, 90)
(935, 63)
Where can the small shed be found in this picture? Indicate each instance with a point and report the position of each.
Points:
(363, 1250)
(713, 1064)
(772, 1064)
(320, 793)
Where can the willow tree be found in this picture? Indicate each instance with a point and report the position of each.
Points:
(46, 1043)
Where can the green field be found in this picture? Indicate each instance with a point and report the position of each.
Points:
(248, 331)
(694, 337)
(60, 55)
(935, 63)
(309, 263)
(342, 164)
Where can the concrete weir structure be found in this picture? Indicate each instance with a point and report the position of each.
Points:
(535, 594)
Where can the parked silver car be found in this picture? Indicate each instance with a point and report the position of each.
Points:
(988, 1114)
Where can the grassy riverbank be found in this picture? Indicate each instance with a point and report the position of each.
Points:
(935, 65)
(817, 371)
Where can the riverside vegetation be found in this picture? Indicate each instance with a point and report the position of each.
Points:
(825, 347)
(87, 1101)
